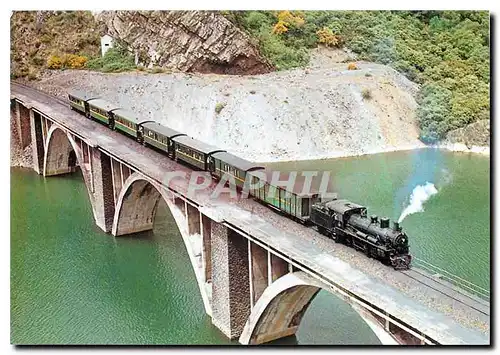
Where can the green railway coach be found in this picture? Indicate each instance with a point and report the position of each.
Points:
(78, 100)
(226, 163)
(160, 137)
(128, 123)
(193, 151)
(102, 111)
(297, 203)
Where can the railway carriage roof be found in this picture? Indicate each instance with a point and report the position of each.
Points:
(300, 182)
(236, 161)
(82, 95)
(166, 131)
(103, 104)
(196, 144)
(129, 115)
(342, 206)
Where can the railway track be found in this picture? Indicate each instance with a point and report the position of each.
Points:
(448, 289)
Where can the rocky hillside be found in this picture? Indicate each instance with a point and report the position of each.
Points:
(323, 111)
(190, 41)
(36, 35)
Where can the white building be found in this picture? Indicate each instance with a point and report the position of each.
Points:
(106, 43)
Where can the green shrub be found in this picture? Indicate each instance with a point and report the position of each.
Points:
(219, 106)
(366, 93)
(46, 38)
(115, 60)
(282, 56)
(156, 70)
(38, 61)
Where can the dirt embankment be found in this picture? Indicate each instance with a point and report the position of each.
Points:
(323, 111)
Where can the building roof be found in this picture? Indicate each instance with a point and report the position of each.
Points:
(82, 95)
(236, 161)
(342, 206)
(129, 115)
(299, 184)
(196, 144)
(103, 104)
(163, 130)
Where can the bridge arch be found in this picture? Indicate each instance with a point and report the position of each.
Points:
(135, 211)
(281, 307)
(62, 154)
(136, 205)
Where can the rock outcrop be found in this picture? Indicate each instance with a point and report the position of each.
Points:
(474, 134)
(189, 41)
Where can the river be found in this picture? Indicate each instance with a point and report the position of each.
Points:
(73, 284)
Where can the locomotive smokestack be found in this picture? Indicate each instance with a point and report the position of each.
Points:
(396, 226)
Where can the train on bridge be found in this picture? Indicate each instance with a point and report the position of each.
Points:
(341, 220)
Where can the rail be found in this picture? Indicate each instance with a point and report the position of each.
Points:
(453, 279)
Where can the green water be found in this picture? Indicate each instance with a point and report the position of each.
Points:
(73, 284)
(453, 232)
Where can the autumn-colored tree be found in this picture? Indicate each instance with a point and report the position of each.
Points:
(326, 36)
(74, 61)
(287, 20)
(352, 66)
(54, 62)
(280, 27)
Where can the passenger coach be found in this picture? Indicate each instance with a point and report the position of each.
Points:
(128, 123)
(227, 163)
(194, 152)
(78, 101)
(160, 137)
(297, 203)
(102, 111)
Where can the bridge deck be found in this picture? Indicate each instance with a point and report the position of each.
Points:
(447, 317)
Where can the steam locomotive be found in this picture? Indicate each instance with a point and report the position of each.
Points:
(346, 222)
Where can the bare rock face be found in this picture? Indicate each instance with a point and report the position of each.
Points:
(190, 41)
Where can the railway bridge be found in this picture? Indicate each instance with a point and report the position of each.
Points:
(257, 271)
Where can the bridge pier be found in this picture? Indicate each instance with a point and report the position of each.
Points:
(193, 219)
(23, 124)
(206, 253)
(117, 179)
(230, 280)
(258, 267)
(37, 140)
(104, 203)
(277, 267)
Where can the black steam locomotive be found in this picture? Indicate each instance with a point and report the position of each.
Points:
(347, 223)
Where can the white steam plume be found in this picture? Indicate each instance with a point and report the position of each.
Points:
(419, 195)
